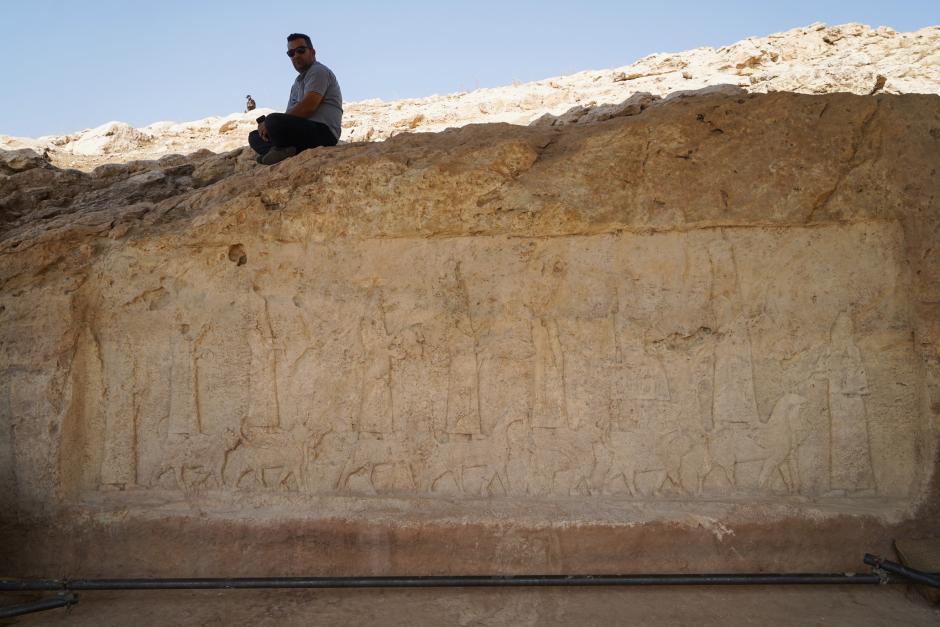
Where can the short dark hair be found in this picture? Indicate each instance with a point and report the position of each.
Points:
(300, 36)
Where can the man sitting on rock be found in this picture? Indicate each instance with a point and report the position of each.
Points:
(314, 111)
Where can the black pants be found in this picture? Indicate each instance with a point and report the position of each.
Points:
(287, 130)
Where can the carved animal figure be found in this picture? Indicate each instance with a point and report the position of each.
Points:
(484, 458)
(772, 443)
(261, 450)
(561, 460)
(781, 437)
(367, 454)
(629, 453)
(196, 451)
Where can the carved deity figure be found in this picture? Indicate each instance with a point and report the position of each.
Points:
(463, 398)
(640, 386)
(119, 463)
(375, 404)
(547, 290)
(184, 412)
(463, 402)
(850, 464)
(463, 378)
(550, 407)
(733, 397)
(263, 401)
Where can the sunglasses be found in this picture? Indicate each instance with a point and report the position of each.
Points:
(298, 50)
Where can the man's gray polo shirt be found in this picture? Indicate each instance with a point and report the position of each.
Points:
(320, 79)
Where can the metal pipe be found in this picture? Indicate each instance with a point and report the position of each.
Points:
(9, 585)
(64, 600)
(911, 573)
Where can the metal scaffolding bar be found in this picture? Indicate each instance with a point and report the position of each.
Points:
(63, 600)
(929, 579)
(762, 579)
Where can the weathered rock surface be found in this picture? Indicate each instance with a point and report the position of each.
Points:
(815, 59)
(716, 321)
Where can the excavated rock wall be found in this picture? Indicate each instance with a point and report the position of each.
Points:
(706, 335)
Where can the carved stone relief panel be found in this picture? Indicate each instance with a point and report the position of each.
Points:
(715, 363)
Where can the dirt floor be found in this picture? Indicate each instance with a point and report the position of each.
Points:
(700, 606)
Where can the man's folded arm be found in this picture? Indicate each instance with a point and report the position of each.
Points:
(306, 106)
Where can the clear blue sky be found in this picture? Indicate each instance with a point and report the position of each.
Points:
(69, 65)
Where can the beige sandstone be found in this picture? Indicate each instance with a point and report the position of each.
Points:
(577, 347)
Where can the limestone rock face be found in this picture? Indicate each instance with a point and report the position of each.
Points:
(13, 161)
(718, 313)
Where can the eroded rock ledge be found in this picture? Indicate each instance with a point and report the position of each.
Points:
(718, 317)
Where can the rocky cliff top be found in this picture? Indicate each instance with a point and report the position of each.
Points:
(815, 59)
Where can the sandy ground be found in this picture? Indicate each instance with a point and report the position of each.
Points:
(785, 605)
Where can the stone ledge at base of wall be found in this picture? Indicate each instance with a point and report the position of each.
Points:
(194, 547)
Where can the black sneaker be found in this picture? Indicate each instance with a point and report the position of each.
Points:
(276, 155)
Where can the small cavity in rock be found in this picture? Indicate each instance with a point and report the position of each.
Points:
(236, 253)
